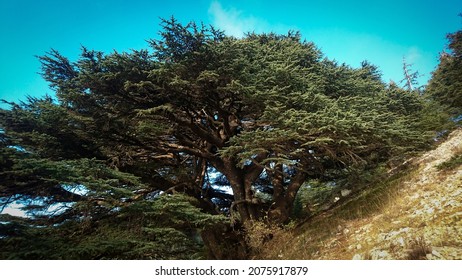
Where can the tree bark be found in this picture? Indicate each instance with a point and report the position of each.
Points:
(282, 206)
(224, 242)
(241, 180)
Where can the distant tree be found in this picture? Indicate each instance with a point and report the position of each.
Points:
(410, 77)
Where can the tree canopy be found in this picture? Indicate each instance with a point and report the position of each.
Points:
(446, 83)
(149, 138)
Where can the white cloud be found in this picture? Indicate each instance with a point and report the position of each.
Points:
(413, 55)
(232, 21)
(236, 23)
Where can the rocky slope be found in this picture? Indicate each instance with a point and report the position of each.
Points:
(425, 218)
(418, 216)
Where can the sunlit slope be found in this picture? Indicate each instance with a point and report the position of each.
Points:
(415, 215)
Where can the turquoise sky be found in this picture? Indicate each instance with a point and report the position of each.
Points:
(382, 32)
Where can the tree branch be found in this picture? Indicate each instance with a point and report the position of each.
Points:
(196, 128)
(295, 184)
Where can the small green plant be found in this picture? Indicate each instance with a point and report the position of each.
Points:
(450, 164)
(312, 196)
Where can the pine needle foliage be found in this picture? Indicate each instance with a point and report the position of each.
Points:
(445, 86)
(143, 230)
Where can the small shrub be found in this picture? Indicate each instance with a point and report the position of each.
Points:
(450, 164)
(418, 249)
(311, 198)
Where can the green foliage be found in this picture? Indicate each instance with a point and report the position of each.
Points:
(312, 197)
(445, 86)
(45, 182)
(165, 228)
(452, 163)
(42, 127)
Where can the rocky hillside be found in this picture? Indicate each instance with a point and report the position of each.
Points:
(416, 215)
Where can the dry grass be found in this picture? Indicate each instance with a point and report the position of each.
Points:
(412, 215)
(325, 234)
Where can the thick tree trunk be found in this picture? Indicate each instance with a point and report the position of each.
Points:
(241, 180)
(224, 243)
(245, 203)
(279, 212)
(283, 204)
(242, 199)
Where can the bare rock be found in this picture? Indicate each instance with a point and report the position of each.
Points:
(345, 192)
(377, 254)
